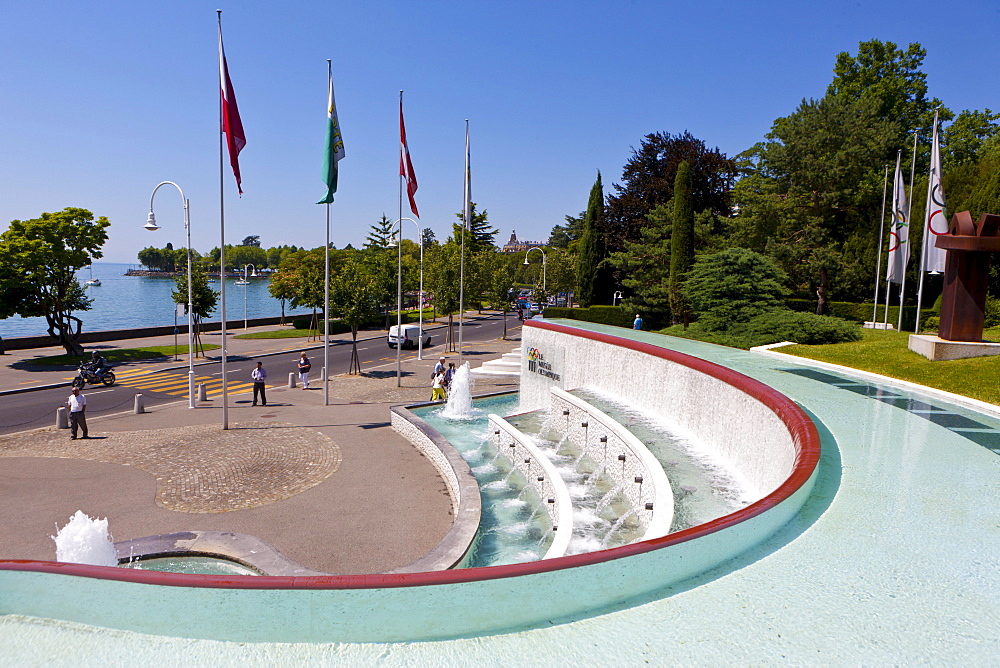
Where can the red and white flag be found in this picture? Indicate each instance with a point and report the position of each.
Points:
(231, 123)
(405, 166)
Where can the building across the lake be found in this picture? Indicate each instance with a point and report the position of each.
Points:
(515, 245)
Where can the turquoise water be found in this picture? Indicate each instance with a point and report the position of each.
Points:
(893, 560)
(514, 527)
(124, 302)
(192, 566)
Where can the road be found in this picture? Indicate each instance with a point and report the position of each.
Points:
(31, 410)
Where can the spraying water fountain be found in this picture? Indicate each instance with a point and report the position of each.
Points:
(459, 406)
(85, 541)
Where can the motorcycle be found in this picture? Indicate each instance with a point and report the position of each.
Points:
(88, 374)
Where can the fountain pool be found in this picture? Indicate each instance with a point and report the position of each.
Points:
(892, 559)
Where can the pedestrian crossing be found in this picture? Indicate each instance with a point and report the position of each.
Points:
(176, 384)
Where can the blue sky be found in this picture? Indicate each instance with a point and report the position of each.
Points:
(104, 100)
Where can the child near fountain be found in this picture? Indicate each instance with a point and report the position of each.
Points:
(437, 387)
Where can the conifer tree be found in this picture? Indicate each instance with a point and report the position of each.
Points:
(591, 248)
(681, 243)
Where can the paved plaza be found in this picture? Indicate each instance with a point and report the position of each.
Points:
(333, 488)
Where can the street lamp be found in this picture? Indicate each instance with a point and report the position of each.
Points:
(543, 263)
(399, 295)
(245, 283)
(615, 297)
(152, 227)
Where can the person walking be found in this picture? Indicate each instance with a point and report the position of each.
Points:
(637, 323)
(304, 367)
(448, 375)
(77, 404)
(438, 368)
(259, 375)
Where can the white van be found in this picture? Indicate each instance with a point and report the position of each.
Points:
(411, 335)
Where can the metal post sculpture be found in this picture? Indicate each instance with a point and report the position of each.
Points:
(967, 270)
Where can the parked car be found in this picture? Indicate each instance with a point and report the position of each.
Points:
(410, 338)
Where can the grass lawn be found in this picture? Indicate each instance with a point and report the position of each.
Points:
(886, 353)
(286, 333)
(120, 355)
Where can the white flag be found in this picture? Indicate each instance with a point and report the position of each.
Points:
(937, 221)
(899, 233)
(467, 212)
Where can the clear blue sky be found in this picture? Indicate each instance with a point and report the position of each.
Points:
(103, 100)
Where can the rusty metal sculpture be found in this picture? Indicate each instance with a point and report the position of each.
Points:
(967, 269)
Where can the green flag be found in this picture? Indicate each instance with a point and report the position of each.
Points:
(334, 144)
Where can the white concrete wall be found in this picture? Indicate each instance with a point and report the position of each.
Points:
(736, 426)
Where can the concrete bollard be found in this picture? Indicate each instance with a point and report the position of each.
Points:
(202, 392)
(291, 380)
(140, 405)
(322, 374)
(62, 418)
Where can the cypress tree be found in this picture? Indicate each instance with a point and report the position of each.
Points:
(681, 243)
(590, 255)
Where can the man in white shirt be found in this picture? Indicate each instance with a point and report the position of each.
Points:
(77, 404)
(259, 375)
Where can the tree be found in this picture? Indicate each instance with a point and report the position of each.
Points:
(564, 235)
(39, 259)
(441, 280)
(733, 286)
(480, 234)
(355, 296)
(382, 233)
(151, 258)
(648, 181)
(815, 185)
(592, 281)
(428, 237)
(964, 140)
(645, 266)
(681, 244)
(891, 81)
(252, 240)
(203, 298)
(501, 273)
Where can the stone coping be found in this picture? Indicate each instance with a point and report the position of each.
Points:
(247, 550)
(462, 487)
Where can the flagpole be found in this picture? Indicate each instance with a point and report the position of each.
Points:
(923, 245)
(326, 276)
(222, 235)
(881, 231)
(909, 208)
(399, 266)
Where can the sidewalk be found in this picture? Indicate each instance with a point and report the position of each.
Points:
(18, 374)
(333, 488)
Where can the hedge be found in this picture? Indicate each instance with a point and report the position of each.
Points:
(863, 312)
(618, 316)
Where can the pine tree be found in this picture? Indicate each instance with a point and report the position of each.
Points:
(591, 249)
(681, 243)
(480, 236)
(381, 234)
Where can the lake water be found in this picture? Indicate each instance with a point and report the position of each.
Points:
(122, 302)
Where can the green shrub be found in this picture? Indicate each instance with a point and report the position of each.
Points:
(733, 286)
(301, 323)
(862, 312)
(806, 328)
(992, 318)
(773, 327)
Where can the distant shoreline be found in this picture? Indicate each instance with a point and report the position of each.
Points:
(149, 273)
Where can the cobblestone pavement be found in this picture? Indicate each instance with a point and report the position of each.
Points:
(201, 469)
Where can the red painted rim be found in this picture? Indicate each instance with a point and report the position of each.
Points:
(804, 435)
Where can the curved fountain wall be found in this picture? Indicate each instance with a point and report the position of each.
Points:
(700, 398)
(621, 456)
(460, 603)
(541, 476)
